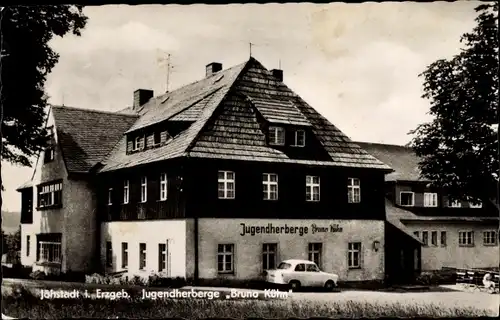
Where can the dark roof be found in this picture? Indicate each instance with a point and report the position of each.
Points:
(395, 213)
(87, 136)
(401, 159)
(233, 132)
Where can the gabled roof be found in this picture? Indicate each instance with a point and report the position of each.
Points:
(87, 136)
(401, 159)
(198, 101)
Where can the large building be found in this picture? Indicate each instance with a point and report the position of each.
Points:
(221, 178)
(454, 234)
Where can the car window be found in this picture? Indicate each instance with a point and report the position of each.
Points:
(284, 265)
(312, 268)
(300, 267)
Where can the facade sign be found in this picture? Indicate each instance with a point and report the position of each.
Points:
(270, 228)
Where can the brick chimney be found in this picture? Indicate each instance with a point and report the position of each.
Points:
(141, 96)
(213, 68)
(278, 74)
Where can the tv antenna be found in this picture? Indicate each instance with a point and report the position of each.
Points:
(250, 45)
(166, 60)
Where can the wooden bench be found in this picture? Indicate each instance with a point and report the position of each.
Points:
(473, 279)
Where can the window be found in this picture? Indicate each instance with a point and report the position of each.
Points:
(125, 191)
(48, 155)
(430, 199)
(300, 267)
(144, 189)
(156, 138)
(312, 268)
(124, 255)
(406, 198)
(434, 238)
(314, 252)
(142, 256)
(226, 185)
(353, 190)
(138, 143)
(354, 255)
(225, 258)
(28, 246)
(300, 138)
(454, 203)
(312, 188)
(270, 186)
(109, 254)
(110, 196)
(417, 234)
(277, 136)
(490, 238)
(163, 187)
(162, 257)
(425, 238)
(443, 238)
(269, 256)
(49, 251)
(475, 206)
(50, 195)
(466, 238)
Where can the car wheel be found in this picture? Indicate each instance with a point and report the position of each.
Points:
(294, 285)
(330, 285)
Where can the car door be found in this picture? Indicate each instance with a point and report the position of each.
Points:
(299, 274)
(314, 275)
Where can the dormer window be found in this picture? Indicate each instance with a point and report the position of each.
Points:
(300, 138)
(157, 138)
(277, 136)
(138, 143)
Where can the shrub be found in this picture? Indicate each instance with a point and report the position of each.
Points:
(38, 275)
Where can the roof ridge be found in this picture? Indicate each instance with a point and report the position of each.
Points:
(383, 144)
(94, 111)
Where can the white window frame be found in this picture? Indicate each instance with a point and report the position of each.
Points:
(163, 187)
(162, 254)
(44, 251)
(144, 189)
(425, 238)
(430, 199)
(475, 206)
(445, 243)
(228, 193)
(224, 253)
(464, 241)
(139, 143)
(269, 253)
(110, 196)
(353, 249)
(434, 243)
(296, 138)
(490, 238)
(412, 199)
(454, 204)
(124, 255)
(352, 187)
(51, 190)
(315, 253)
(311, 186)
(126, 191)
(267, 185)
(275, 133)
(143, 258)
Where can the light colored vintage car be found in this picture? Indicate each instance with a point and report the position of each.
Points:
(298, 273)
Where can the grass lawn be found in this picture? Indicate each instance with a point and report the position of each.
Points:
(24, 304)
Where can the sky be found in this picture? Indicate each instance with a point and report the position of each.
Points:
(356, 64)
